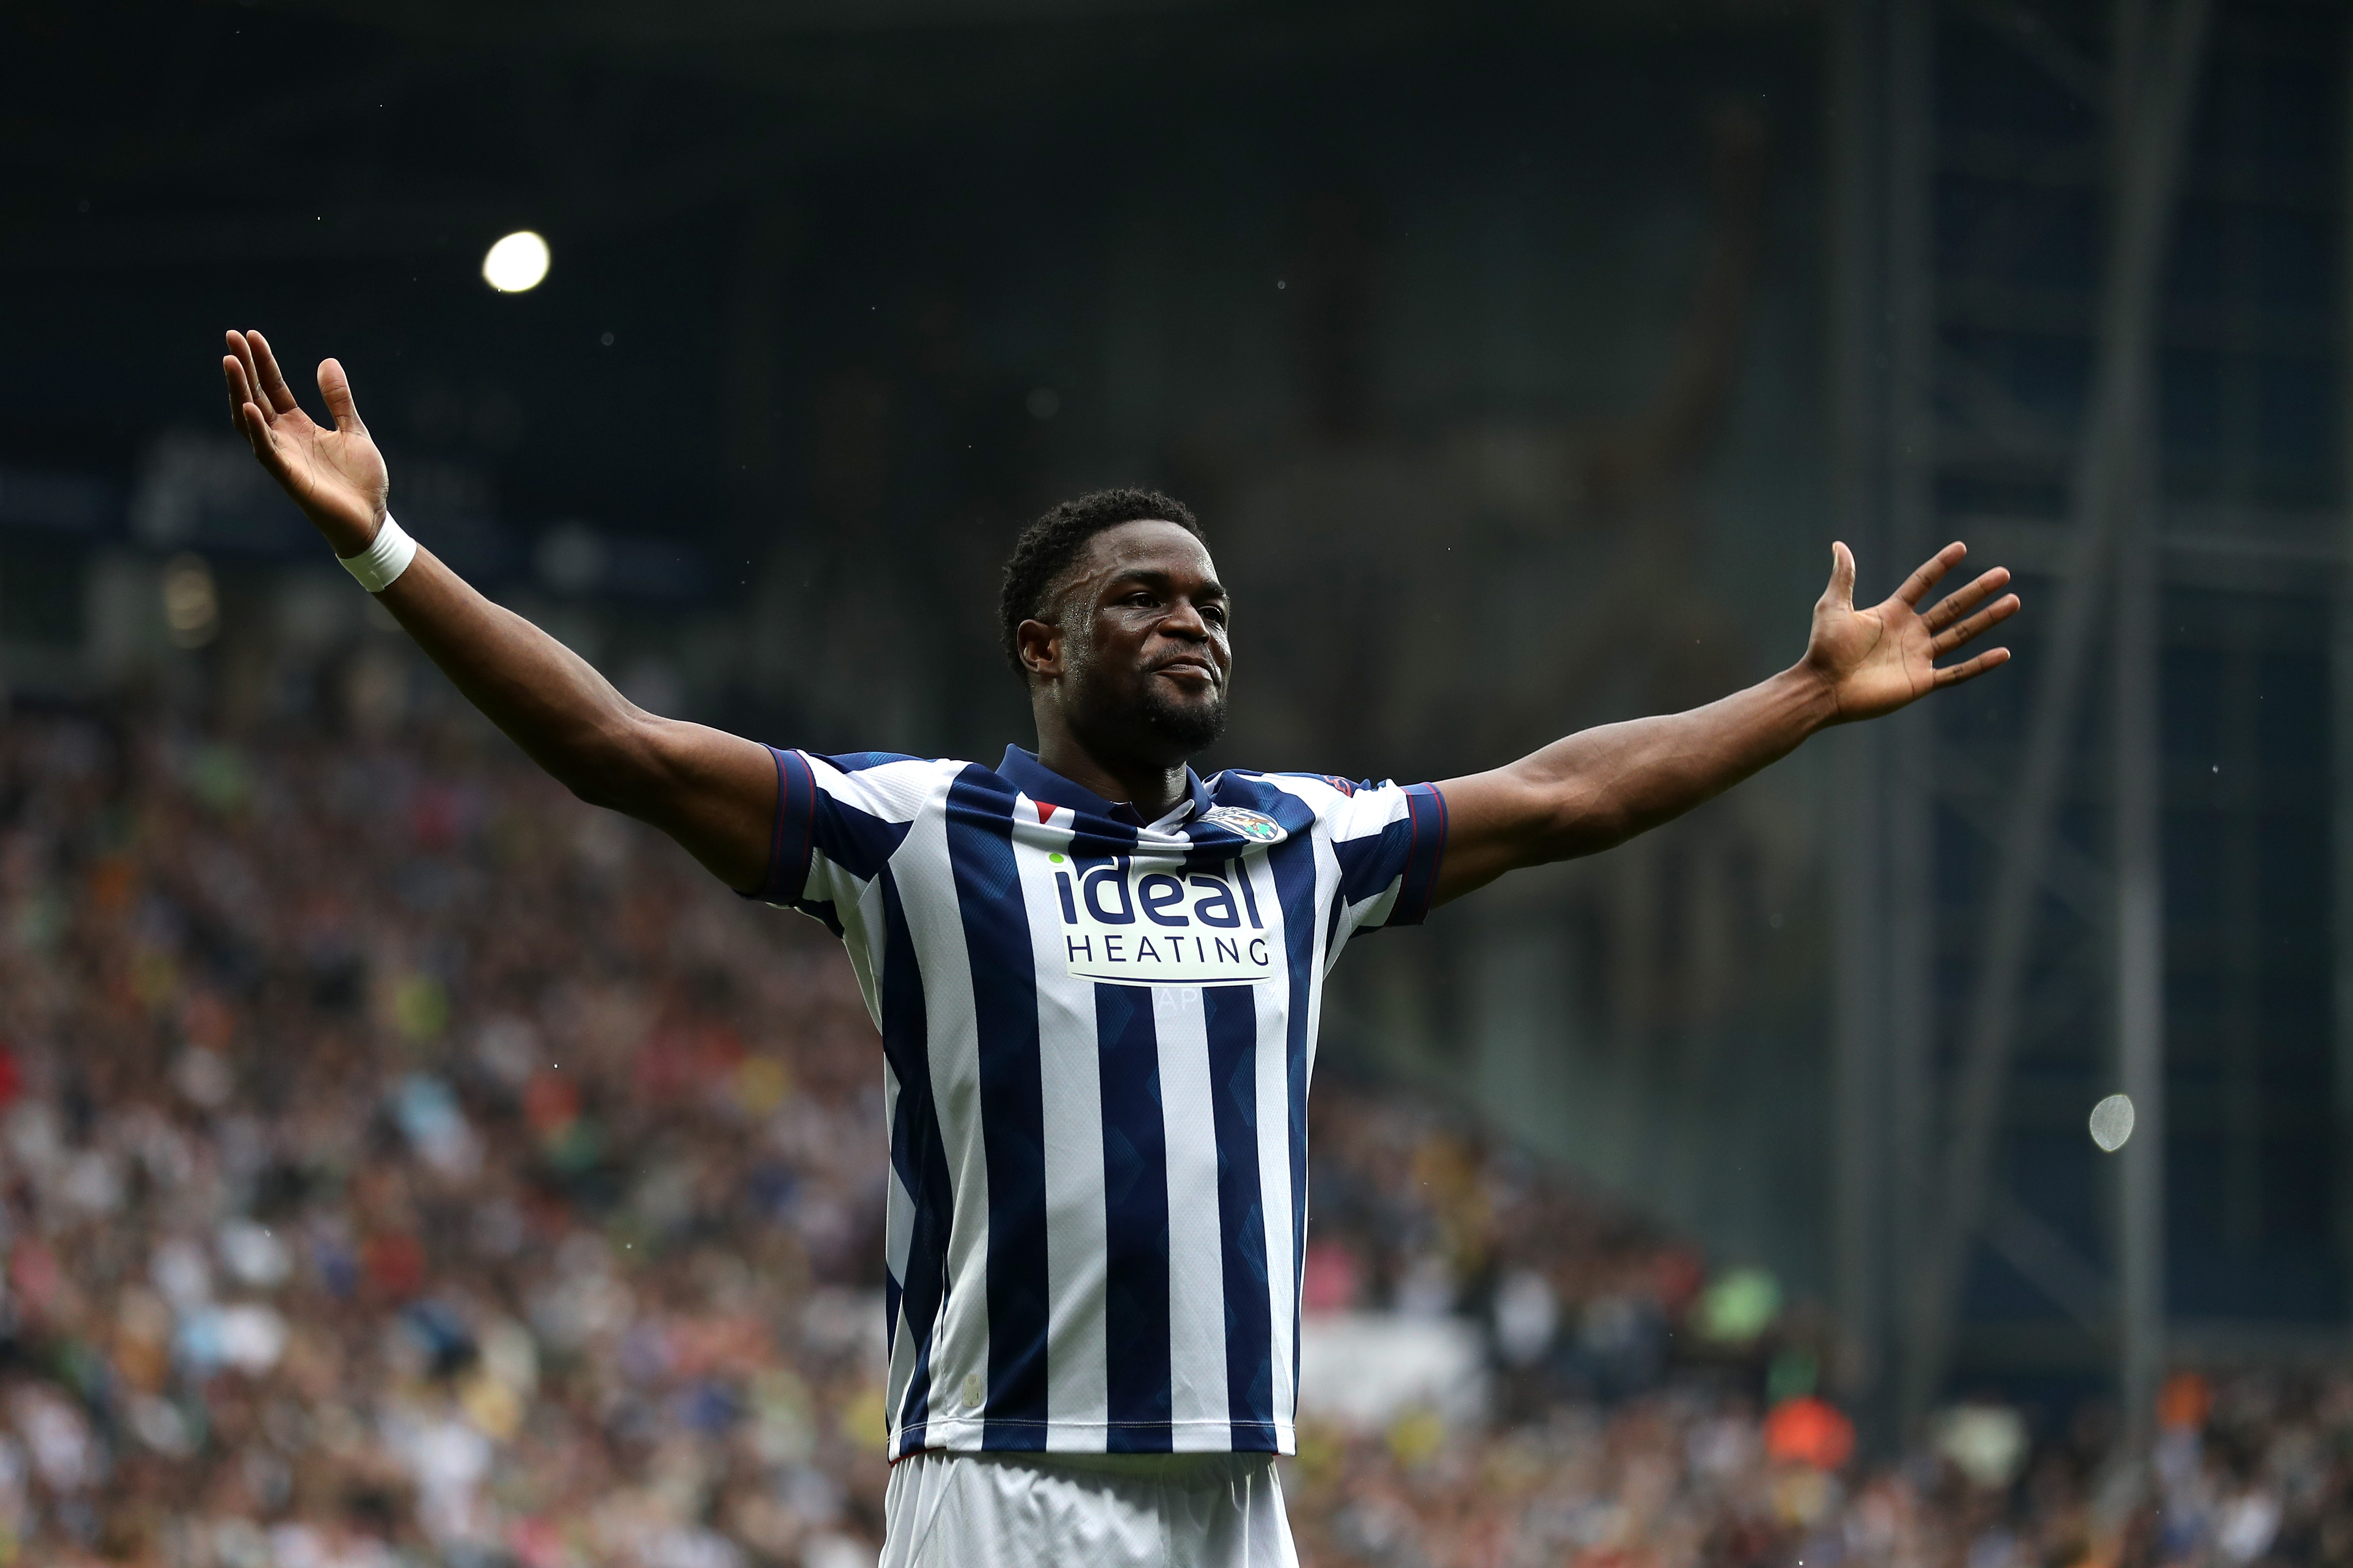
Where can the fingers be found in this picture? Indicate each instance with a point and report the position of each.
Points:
(1840, 591)
(263, 439)
(2000, 610)
(1916, 585)
(252, 418)
(251, 398)
(274, 394)
(243, 353)
(1992, 658)
(239, 391)
(336, 388)
(1961, 601)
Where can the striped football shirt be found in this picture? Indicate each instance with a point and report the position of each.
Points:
(1097, 1038)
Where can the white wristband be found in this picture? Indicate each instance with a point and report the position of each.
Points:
(383, 560)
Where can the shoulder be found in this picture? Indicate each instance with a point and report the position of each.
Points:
(884, 783)
(1296, 798)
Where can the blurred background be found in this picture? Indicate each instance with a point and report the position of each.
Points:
(402, 1164)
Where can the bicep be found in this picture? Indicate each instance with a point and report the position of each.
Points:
(717, 797)
(1498, 821)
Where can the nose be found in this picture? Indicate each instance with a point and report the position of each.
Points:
(1185, 621)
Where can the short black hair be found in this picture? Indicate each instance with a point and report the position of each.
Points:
(1047, 546)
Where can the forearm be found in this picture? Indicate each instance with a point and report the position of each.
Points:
(1607, 783)
(714, 793)
(1602, 787)
(1599, 787)
(548, 699)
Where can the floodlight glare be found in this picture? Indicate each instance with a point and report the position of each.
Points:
(2112, 1123)
(516, 263)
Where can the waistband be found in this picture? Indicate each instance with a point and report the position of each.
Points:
(1175, 1468)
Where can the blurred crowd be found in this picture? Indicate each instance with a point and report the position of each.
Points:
(1645, 1414)
(401, 1159)
(402, 1163)
(1689, 1474)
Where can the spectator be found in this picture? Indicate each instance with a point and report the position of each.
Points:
(400, 1163)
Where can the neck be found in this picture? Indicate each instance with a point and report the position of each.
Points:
(1153, 788)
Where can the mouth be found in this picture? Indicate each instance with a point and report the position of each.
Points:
(1188, 670)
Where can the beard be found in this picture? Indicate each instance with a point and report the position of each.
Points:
(1192, 725)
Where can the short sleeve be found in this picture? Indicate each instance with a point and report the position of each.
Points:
(839, 821)
(1388, 840)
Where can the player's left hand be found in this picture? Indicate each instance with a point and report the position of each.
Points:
(1874, 661)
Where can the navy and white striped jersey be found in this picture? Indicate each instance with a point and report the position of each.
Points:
(1098, 1034)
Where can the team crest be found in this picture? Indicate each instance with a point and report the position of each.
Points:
(1255, 825)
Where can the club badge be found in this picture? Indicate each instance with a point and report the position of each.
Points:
(1254, 826)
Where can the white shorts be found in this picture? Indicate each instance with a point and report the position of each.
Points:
(1099, 1510)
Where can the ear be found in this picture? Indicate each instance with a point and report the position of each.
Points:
(1040, 643)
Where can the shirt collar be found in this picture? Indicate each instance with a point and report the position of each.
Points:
(1035, 779)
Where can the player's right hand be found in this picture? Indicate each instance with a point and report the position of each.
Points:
(335, 474)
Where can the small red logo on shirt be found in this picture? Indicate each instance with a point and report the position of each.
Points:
(1045, 812)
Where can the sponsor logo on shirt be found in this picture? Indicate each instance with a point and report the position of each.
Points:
(1153, 923)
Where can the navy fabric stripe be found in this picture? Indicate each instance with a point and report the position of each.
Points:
(1292, 862)
(807, 819)
(1371, 863)
(1012, 1105)
(857, 762)
(1135, 1221)
(1423, 856)
(858, 841)
(1230, 1014)
(916, 1154)
(1100, 838)
(790, 837)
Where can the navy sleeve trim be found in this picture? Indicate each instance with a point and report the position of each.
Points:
(795, 832)
(1426, 809)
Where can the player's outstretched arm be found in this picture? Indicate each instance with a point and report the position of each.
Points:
(712, 792)
(1601, 787)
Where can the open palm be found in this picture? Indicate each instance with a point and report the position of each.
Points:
(1874, 661)
(334, 473)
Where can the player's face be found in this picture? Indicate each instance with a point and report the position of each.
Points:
(1144, 647)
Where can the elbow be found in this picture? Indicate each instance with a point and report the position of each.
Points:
(1583, 822)
(596, 789)
(619, 770)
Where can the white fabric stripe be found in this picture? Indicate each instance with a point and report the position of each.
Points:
(1344, 818)
(1078, 1394)
(1327, 890)
(862, 923)
(1196, 1285)
(902, 1371)
(1275, 1192)
(899, 1226)
(927, 894)
(1327, 885)
(898, 1233)
(894, 792)
(1076, 1244)
(899, 1204)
